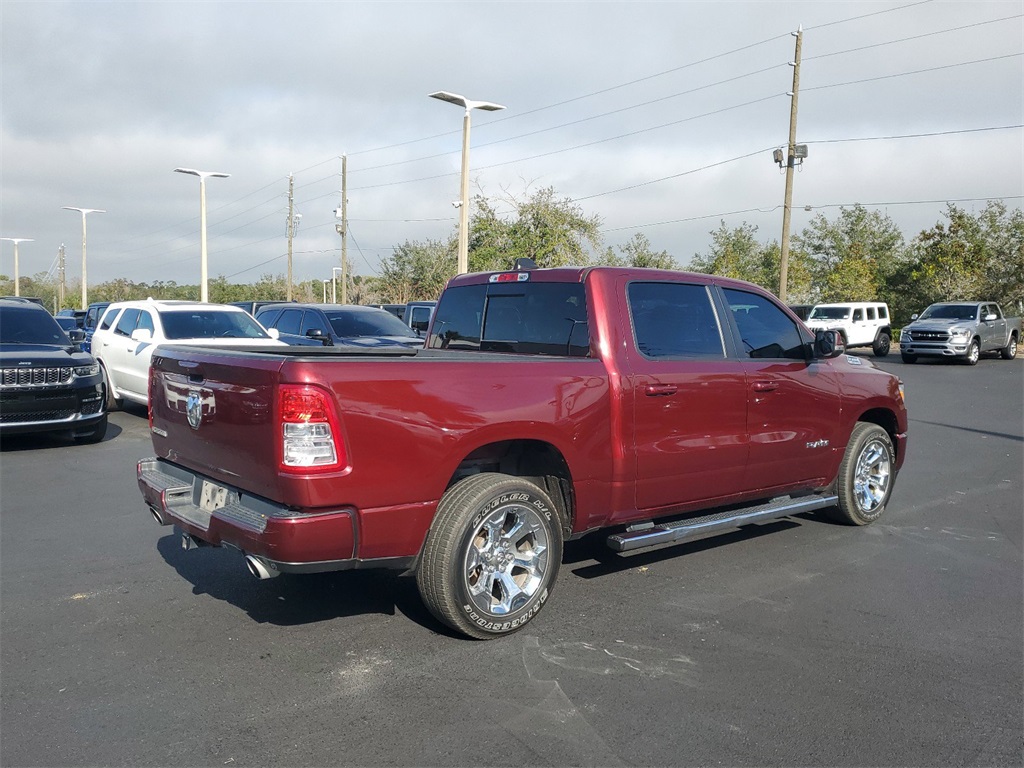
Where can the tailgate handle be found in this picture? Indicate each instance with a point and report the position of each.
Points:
(195, 378)
(660, 390)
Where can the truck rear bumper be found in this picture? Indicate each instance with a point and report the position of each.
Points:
(284, 539)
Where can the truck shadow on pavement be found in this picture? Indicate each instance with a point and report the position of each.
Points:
(594, 559)
(295, 599)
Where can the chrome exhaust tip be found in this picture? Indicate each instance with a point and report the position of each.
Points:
(260, 568)
(158, 516)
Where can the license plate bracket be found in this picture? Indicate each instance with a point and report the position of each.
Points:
(212, 496)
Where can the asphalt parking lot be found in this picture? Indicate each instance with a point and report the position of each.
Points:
(799, 642)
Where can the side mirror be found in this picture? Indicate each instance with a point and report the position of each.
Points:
(914, 316)
(315, 333)
(828, 344)
(274, 333)
(142, 334)
(77, 336)
(990, 317)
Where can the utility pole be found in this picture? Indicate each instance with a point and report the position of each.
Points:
(790, 163)
(291, 230)
(341, 212)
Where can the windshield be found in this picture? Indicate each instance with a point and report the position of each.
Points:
(829, 313)
(950, 312)
(28, 326)
(357, 323)
(211, 324)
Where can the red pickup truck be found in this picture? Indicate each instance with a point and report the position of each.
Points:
(545, 405)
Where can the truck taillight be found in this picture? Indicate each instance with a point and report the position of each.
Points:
(310, 432)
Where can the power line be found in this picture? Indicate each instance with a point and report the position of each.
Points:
(913, 72)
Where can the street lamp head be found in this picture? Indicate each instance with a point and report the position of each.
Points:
(83, 211)
(203, 174)
(17, 240)
(462, 101)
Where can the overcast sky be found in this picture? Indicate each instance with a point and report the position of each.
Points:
(658, 117)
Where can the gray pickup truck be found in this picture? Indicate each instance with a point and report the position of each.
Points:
(960, 330)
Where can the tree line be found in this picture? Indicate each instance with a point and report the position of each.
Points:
(860, 255)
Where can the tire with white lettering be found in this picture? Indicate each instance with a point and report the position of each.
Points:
(491, 556)
(866, 475)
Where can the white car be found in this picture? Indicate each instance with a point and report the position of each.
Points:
(862, 324)
(129, 331)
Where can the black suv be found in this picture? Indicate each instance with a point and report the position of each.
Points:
(46, 382)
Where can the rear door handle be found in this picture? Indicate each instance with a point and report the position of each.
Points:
(660, 390)
(765, 386)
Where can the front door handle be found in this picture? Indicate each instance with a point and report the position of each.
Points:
(660, 390)
(765, 386)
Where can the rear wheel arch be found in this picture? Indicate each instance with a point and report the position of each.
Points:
(535, 460)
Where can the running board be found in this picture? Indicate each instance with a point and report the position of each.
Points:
(651, 534)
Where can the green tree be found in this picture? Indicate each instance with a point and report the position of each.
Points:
(951, 259)
(552, 232)
(853, 254)
(637, 252)
(416, 272)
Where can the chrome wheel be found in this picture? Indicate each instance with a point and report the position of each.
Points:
(507, 559)
(973, 353)
(872, 477)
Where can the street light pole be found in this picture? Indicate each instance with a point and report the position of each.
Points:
(325, 282)
(85, 283)
(16, 240)
(334, 286)
(468, 105)
(204, 294)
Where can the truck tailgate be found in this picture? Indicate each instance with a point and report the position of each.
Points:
(220, 403)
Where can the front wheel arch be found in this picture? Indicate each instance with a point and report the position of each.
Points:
(866, 474)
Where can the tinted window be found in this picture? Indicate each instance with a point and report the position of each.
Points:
(145, 322)
(532, 318)
(871, 313)
(858, 315)
(210, 324)
(126, 322)
(108, 319)
(28, 326)
(765, 330)
(313, 321)
(883, 313)
(290, 321)
(674, 320)
(372, 322)
(267, 317)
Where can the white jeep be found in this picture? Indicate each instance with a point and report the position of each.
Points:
(861, 323)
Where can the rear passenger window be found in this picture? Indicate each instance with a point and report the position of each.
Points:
(674, 320)
(145, 322)
(765, 330)
(871, 313)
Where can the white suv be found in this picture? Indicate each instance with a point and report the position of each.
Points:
(124, 341)
(861, 323)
